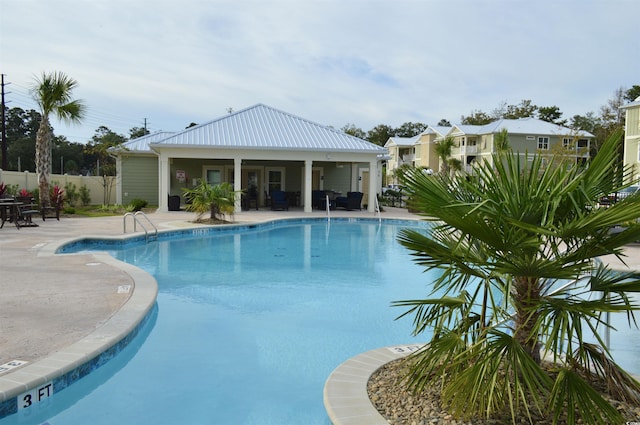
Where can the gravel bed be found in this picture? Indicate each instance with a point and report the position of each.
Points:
(399, 406)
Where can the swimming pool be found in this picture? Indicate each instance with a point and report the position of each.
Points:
(248, 325)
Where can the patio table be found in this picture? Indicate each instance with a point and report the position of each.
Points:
(10, 210)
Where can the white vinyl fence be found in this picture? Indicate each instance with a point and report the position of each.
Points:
(101, 189)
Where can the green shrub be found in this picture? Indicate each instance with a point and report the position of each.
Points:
(72, 194)
(85, 195)
(137, 204)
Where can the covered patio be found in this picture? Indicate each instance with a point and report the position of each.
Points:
(258, 150)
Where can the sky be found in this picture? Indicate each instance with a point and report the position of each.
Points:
(335, 62)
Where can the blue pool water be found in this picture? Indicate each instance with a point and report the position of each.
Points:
(248, 326)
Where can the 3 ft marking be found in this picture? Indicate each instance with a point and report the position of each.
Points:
(35, 396)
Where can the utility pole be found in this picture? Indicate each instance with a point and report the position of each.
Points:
(4, 125)
(145, 127)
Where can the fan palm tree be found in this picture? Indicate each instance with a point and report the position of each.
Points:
(506, 240)
(218, 200)
(52, 92)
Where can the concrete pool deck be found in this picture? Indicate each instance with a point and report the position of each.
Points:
(56, 309)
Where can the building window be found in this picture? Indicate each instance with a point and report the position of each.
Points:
(543, 143)
(566, 143)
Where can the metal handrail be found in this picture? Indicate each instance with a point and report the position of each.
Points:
(137, 221)
(328, 207)
(377, 208)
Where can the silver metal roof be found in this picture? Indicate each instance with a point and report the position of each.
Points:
(532, 126)
(401, 141)
(263, 127)
(141, 144)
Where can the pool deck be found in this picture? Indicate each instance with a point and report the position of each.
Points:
(57, 311)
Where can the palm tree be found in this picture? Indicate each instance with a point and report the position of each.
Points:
(443, 149)
(507, 239)
(501, 141)
(52, 92)
(217, 200)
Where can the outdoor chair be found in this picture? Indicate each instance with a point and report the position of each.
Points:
(279, 200)
(350, 202)
(26, 209)
(318, 199)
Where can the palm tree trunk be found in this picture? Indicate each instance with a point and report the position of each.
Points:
(526, 297)
(43, 160)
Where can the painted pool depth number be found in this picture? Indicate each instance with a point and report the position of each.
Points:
(35, 396)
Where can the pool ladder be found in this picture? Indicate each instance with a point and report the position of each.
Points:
(136, 220)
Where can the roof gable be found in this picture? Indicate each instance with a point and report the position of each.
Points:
(401, 141)
(263, 127)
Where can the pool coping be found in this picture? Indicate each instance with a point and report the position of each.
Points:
(64, 367)
(345, 395)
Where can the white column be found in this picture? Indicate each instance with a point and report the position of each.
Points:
(373, 185)
(308, 168)
(163, 183)
(119, 200)
(237, 183)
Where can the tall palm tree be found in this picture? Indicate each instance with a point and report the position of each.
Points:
(52, 92)
(444, 149)
(506, 240)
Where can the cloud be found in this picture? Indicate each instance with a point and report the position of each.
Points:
(334, 62)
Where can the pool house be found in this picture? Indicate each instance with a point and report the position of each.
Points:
(259, 149)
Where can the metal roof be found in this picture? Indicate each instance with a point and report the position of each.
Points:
(263, 127)
(530, 126)
(401, 141)
(141, 144)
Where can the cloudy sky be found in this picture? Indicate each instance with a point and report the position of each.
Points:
(335, 62)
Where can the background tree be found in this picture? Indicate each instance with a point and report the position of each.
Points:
(97, 158)
(477, 117)
(136, 132)
(410, 129)
(632, 94)
(354, 131)
(21, 128)
(525, 109)
(380, 134)
(67, 157)
(52, 92)
(550, 114)
(506, 241)
(444, 123)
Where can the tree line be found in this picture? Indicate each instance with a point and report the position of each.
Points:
(600, 124)
(92, 158)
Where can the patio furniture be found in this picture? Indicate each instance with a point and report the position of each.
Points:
(317, 199)
(279, 200)
(250, 199)
(350, 202)
(9, 211)
(25, 211)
